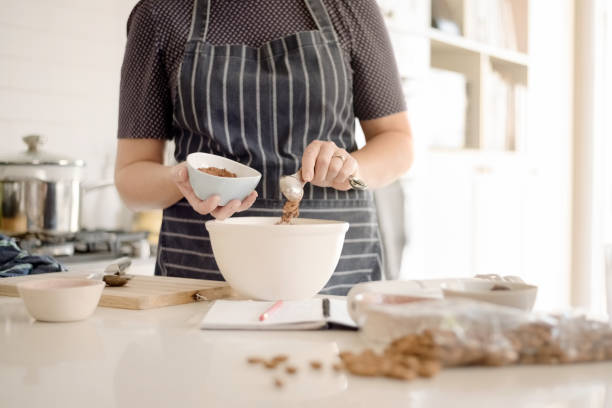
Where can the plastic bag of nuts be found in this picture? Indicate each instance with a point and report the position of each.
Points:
(464, 332)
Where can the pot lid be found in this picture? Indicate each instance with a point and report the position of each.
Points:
(34, 156)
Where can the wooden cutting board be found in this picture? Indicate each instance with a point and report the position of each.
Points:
(141, 292)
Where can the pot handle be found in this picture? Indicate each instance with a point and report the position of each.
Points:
(96, 185)
(33, 142)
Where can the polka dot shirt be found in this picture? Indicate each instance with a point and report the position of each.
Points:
(158, 30)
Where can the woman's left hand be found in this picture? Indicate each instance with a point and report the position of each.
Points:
(326, 165)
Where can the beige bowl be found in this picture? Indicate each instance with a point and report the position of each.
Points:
(519, 295)
(61, 300)
(262, 260)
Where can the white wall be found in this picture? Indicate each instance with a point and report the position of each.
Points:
(59, 77)
(547, 247)
(592, 182)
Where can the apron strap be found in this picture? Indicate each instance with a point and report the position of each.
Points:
(199, 20)
(321, 17)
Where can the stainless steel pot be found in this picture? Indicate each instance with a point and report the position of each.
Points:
(39, 191)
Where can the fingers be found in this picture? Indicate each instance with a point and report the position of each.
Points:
(349, 168)
(248, 202)
(181, 179)
(309, 159)
(336, 163)
(206, 206)
(234, 206)
(226, 211)
(318, 167)
(211, 204)
(179, 173)
(322, 164)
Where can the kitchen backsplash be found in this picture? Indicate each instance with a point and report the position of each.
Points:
(59, 78)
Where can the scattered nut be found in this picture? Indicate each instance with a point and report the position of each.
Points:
(345, 354)
(255, 360)
(363, 369)
(270, 365)
(404, 359)
(281, 358)
(429, 368)
(424, 354)
(316, 365)
(400, 373)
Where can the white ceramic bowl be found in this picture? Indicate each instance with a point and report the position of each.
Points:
(521, 295)
(61, 300)
(228, 188)
(262, 260)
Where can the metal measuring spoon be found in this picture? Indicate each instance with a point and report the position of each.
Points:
(116, 280)
(114, 274)
(292, 186)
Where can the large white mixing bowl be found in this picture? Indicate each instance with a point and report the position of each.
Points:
(262, 260)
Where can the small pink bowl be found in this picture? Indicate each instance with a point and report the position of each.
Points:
(62, 299)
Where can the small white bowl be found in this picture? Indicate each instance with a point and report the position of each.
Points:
(520, 295)
(262, 260)
(228, 188)
(61, 300)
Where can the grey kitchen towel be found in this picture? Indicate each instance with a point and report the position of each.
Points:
(16, 262)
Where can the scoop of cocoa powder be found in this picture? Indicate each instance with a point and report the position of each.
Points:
(215, 171)
(291, 210)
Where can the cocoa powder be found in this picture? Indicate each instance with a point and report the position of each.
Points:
(291, 210)
(215, 171)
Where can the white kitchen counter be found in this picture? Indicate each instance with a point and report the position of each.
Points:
(158, 358)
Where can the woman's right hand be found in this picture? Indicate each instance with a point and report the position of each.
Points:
(211, 204)
(326, 165)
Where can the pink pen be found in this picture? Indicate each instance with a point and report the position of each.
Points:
(271, 310)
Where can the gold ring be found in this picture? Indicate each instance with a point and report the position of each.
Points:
(340, 156)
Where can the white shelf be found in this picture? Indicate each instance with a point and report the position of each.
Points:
(441, 41)
(479, 155)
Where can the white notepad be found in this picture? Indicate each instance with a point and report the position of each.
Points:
(311, 314)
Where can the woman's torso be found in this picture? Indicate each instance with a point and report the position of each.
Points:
(305, 82)
(262, 106)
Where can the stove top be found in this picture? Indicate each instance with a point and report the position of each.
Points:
(87, 245)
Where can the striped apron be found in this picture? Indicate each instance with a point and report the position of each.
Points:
(261, 107)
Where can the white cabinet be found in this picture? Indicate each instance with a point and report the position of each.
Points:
(498, 220)
(411, 53)
(486, 206)
(408, 16)
(407, 22)
(467, 218)
(466, 206)
(444, 222)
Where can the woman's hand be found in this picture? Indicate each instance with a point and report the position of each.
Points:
(326, 165)
(211, 204)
